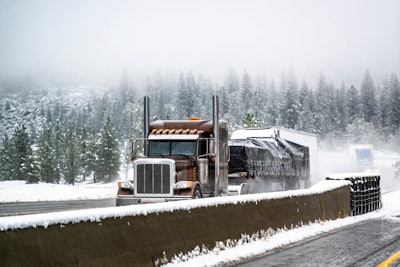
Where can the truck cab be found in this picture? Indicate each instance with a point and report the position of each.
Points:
(180, 163)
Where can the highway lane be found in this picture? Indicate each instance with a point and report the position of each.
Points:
(23, 208)
(365, 244)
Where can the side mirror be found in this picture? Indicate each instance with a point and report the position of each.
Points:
(212, 147)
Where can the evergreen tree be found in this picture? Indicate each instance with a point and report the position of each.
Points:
(46, 158)
(394, 103)
(272, 116)
(183, 98)
(71, 165)
(368, 98)
(108, 155)
(90, 156)
(23, 153)
(353, 104)
(322, 106)
(30, 169)
(249, 121)
(58, 148)
(7, 162)
(260, 98)
(305, 122)
(288, 109)
(234, 98)
(191, 93)
(84, 153)
(205, 93)
(223, 103)
(341, 102)
(247, 94)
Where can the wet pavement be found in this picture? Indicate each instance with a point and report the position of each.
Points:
(365, 244)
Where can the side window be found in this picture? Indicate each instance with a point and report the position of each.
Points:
(202, 147)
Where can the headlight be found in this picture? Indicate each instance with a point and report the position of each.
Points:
(183, 185)
(125, 184)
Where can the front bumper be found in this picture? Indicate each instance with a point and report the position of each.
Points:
(123, 200)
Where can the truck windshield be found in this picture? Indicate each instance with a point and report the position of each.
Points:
(171, 148)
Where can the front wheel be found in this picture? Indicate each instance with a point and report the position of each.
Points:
(197, 193)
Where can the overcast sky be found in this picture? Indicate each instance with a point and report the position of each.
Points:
(98, 39)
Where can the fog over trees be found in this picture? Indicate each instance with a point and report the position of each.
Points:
(69, 134)
(67, 110)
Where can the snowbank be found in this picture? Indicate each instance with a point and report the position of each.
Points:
(19, 191)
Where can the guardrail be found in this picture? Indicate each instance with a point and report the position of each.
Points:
(365, 191)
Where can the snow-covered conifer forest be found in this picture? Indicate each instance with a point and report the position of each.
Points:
(69, 134)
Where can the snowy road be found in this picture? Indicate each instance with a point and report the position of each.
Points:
(365, 244)
(23, 208)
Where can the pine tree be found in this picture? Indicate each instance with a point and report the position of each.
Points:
(247, 94)
(272, 116)
(322, 106)
(394, 103)
(368, 98)
(231, 85)
(288, 109)
(353, 104)
(182, 98)
(47, 158)
(83, 153)
(249, 121)
(260, 98)
(108, 155)
(23, 152)
(30, 169)
(305, 121)
(71, 164)
(7, 162)
(341, 102)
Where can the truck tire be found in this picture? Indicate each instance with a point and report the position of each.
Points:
(197, 193)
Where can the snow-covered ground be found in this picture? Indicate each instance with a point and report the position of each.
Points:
(19, 191)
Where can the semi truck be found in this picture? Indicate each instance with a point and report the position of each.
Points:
(362, 155)
(193, 158)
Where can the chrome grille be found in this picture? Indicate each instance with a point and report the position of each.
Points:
(154, 177)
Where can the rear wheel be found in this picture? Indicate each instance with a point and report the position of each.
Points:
(197, 193)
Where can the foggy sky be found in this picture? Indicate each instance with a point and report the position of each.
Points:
(95, 40)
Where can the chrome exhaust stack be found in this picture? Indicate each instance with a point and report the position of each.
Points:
(146, 123)
(216, 141)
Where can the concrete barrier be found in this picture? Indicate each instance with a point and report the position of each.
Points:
(141, 238)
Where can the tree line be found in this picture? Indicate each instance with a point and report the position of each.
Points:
(61, 155)
(73, 142)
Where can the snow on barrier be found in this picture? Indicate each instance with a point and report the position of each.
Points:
(365, 191)
(141, 235)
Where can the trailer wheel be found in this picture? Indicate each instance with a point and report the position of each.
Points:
(197, 193)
